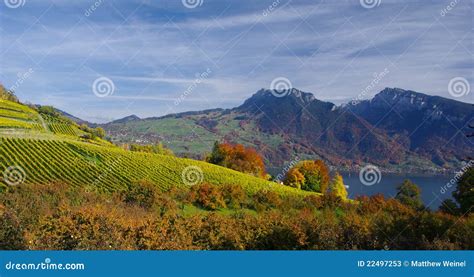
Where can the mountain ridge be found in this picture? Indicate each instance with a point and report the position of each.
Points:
(285, 124)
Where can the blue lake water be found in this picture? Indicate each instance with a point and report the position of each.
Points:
(432, 191)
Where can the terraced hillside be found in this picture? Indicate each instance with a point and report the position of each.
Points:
(15, 116)
(111, 168)
(53, 151)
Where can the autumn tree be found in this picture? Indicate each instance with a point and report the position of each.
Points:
(315, 176)
(237, 157)
(294, 178)
(338, 188)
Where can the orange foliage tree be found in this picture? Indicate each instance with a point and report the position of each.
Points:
(237, 157)
(309, 175)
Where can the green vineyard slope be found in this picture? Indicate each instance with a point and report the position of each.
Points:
(111, 168)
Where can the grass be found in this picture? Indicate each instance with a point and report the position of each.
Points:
(184, 135)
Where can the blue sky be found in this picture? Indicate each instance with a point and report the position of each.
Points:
(164, 57)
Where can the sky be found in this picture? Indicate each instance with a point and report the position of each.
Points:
(105, 59)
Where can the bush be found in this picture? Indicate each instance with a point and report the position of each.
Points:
(330, 200)
(61, 217)
(234, 196)
(11, 232)
(207, 196)
(142, 193)
(313, 202)
(265, 199)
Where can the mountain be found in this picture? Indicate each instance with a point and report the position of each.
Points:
(74, 118)
(398, 130)
(431, 126)
(126, 119)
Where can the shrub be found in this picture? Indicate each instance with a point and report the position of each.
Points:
(234, 196)
(265, 199)
(142, 193)
(207, 196)
(11, 232)
(313, 201)
(332, 201)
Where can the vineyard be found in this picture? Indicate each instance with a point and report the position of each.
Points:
(17, 116)
(111, 168)
(61, 127)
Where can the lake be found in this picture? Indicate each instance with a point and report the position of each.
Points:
(431, 187)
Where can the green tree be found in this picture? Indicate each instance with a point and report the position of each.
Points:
(49, 110)
(464, 193)
(449, 206)
(338, 188)
(217, 155)
(409, 195)
(98, 132)
(158, 148)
